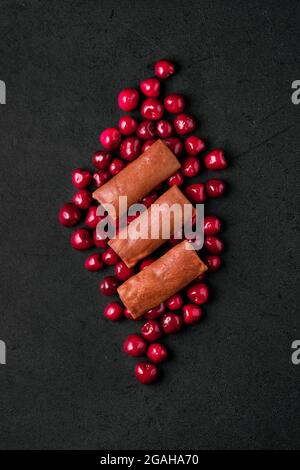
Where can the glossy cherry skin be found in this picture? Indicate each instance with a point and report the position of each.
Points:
(69, 215)
(110, 257)
(215, 188)
(213, 244)
(110, 138)
(128, 99)
(134, 345)
(198, 293)
(146, 262)
(109, 285)
(155, 312)
(127, 125)
(213, 262)
(128, 315)
(164, 129)
(184, 124)
(157, 353)
(152, 109)
(212, 225)
(93, 262)
(151, 330)
(215, 160)
(194, 145)
(92, 219)
(147, 145)
(190, 167)
(174, 103)
(146, 372)
(81, 178)
(101, 177)
(176, 179)
(175, 145)
(81, 239)
(130, 148)
(116, 166)
(149, 199)
(192, 313)
(146, 130)
(101, 159)
(174, 302)
(171, 323)
(122, 272)
(82, 199)
(99, 241)
(150, 87)
(196, 193)
(113, 311)
(164, 69)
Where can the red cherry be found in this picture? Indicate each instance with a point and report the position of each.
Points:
(147, 145)
(149, 199)
(190, 166)
(81, 239)
(213, 244)
(146, 262)
(110, 138)
(101, 177)
(128, 315)
(134, 346)
(164, 69)
(155, 312)
(215, 188)
(184, 124)
(198, 293)
(157, 353)
(196, 193)
(116, 166)
(69, 215)
(130, 148)
(109, 285)
(150, 87)
(127, 125)
(128, 99)
(171, 323)
(99, 241)
(215, 160)
(82, 199)
(164, 129)
(212, 225)
(93, 262)
(146, 130)
(101, 159)
(174, 302)
(152, 109)
(174, 103)
(213, 262)
(145, 372)
(81, 178)
(113, 311)
(176, 179)
(110, 257)
(194, 145)
(92, 219)
(175, 145)
(151, 330)
(122, 272)
(192, 313)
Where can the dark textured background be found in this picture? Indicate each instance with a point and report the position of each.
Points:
(231, 383)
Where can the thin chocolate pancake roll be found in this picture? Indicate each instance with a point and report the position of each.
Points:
(161, 279)
(139, 178)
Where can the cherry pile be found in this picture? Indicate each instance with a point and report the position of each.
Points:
(163, 118)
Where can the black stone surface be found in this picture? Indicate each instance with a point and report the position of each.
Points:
(231, 382)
